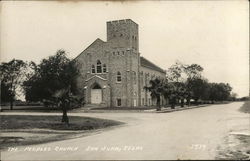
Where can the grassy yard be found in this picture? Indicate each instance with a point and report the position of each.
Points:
(246, 107)
(26, 129)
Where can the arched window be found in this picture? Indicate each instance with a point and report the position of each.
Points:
(98, 67)
(93, 69)
(104, 68)
(119, 77)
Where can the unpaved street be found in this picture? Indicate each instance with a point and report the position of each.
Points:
(188, 134)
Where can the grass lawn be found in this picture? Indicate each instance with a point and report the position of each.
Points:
(246, 107)
(26, 129)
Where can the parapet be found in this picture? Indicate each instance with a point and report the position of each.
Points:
(124, 21)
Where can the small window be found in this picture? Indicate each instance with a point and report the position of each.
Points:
(134, 77)
(104, 68)
(118, 53)
(123, 53)
(149, 101)
(93, 69)
(113, 53)
(121, 35)
(98, 67)
(114, 35)
(133, 37)
(119, 102)
(119, 77)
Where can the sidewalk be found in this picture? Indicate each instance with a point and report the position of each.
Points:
(178, 108)
(163, 110)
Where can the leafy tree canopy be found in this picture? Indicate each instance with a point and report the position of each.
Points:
(53, 74)
(12, 75)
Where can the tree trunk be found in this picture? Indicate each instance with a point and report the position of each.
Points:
(188, 101)
(11, 103)
(65, 118)
(182, 102)
(158, 103)
(196, 102)
(173, 103)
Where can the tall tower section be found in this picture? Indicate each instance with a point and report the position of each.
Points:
(123, 34)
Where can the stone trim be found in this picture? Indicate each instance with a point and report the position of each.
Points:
(97, 77)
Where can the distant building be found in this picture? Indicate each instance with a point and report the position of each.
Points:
(113, 73)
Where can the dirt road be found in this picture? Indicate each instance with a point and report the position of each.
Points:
(188, 134)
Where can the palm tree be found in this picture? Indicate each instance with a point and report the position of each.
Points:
(156, 88)
(63, 95)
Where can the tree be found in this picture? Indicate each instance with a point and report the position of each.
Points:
(233, 96)
(5, 92)
(180, 75)
(219, 92)
(174, 73)
(156, 90)
(12, 76)
(198, 88)
(175, 88)
(192, 71)
(52, 74)
(53, 80)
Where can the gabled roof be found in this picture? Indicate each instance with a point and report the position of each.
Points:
(146, 63)
(96, 41)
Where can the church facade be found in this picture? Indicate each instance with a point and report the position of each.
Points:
(113, 73)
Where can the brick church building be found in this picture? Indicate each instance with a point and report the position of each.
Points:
(113, 73)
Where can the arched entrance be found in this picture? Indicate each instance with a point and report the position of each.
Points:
(96, 94)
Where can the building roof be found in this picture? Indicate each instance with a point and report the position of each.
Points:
(98, 40)
(146, 63)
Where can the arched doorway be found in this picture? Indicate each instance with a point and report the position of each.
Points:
(96, 94)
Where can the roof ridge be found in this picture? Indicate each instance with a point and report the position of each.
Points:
(98, 39)
(151, 65)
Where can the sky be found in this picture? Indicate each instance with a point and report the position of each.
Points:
(213, 34)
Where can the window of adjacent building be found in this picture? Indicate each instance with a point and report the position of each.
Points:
(119, 77)
(119, 102)
(104, 68)
(142, 79)
(148, 79)
(142, 102)
(98, 67)
(93, 69)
